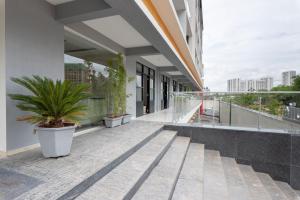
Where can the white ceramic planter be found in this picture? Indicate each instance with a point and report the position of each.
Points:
(126, 118)
(56, 142)
(113, 122)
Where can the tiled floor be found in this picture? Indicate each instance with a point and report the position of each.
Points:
(50, 178)
(172, 115)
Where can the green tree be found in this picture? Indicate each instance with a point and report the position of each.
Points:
(116, 86)
(282, 88)
(296, 84)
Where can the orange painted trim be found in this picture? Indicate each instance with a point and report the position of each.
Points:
(193, 71)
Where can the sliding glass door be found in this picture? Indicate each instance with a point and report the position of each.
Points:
(145, 90)
(165, 87)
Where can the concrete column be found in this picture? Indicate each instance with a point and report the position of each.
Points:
(34, 45)
(131, 86)
(2, 78)
(157, 91)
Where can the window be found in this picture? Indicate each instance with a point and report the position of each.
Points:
(80, 71)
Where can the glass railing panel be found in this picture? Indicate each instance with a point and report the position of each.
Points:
(259, 110)
(96, 111)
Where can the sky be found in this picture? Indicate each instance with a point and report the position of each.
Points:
(249, 39)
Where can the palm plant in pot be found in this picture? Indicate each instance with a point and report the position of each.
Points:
(55, 108)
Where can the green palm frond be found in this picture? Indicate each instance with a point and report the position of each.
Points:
(50, 102)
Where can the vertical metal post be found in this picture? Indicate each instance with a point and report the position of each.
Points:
(219, 111)
(214, 111)
(174, 107)
(230, 112)
(259, 113)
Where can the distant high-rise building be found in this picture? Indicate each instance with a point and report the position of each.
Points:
(233, 85)
(288, 77)
(251, 85)
(267, 83)
(238, 85)
(243, 85)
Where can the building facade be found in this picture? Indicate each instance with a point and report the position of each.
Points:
(238, 85)
(288, 78)
(161, 42)
(233, 85)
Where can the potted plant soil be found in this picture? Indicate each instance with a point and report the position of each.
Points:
(55, 108)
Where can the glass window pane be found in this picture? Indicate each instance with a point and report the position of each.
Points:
(81, 71)
(151, 72)
(146, 70)
(138, 80)
(151, 94)
(151, 83)
(139, 68)
(139, 94)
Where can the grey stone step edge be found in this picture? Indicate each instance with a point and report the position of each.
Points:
(141, 180)
(91, 180)
(179, 172)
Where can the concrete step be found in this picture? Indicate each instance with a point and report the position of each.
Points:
(237, 188)
(190, 182)
(93, 156)
(215, 186)
(289, 192)
(161, 183)
(256, 189)
(123, 181)
(271, 187)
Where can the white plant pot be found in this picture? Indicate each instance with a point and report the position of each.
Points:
(113, 122)
(126, 118)
(55, 142)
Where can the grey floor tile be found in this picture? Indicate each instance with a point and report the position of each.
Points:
(271, 187)
(121, 180)
(90, 153)
(215, 186)
(161, 182)
(237, 188)
(190, 183)
(289, 192)
(255, 186)
(13, 184)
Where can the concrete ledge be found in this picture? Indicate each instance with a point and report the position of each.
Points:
(270, 151)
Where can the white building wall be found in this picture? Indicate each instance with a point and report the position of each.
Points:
(183, 20)
(243, 85)
(288, 78)
(233, 85)
(2, 78)
(238, 85)
(34, 45)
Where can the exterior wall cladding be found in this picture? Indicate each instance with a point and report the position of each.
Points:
(32, 43)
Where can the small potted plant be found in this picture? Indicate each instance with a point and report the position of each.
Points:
(55, 108)
(114, 91)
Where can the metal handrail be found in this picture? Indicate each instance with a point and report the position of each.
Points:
(247, 92)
